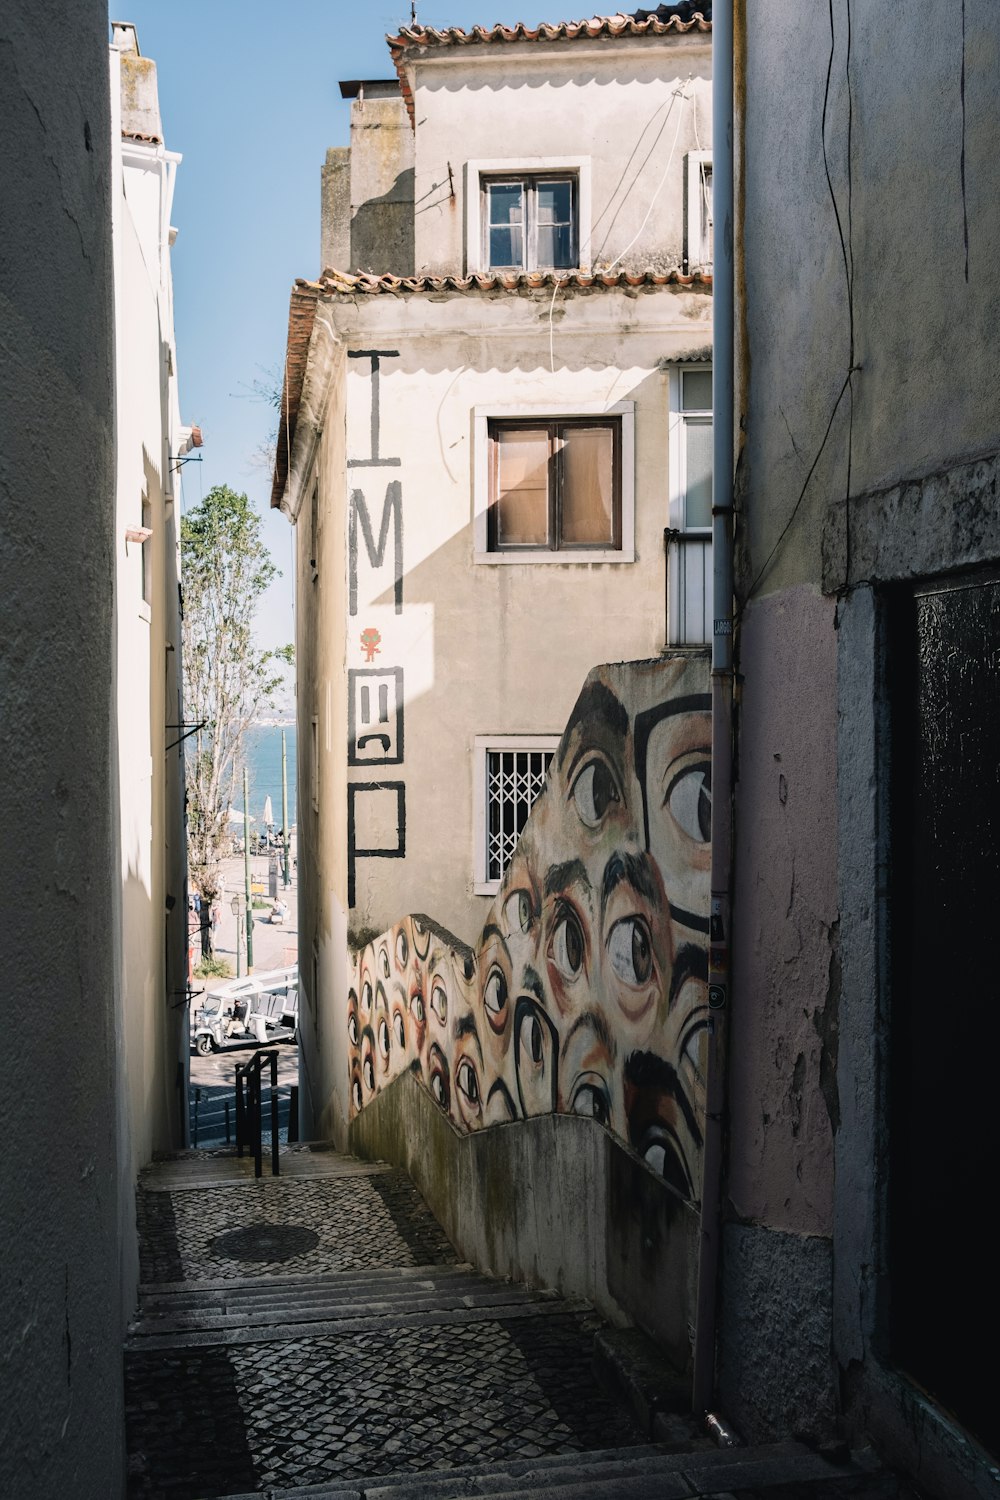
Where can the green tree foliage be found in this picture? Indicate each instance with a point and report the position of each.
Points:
(225, 569)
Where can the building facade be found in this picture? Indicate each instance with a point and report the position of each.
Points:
(861, 1122)
(495, 448)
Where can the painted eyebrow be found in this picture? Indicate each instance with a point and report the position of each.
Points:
(648, 1071)
(691, 963)
(491, 930)
(533, 984)
(466, 1026)
(595, 702)
(595, 1021)
(630, 869)
(571, 872)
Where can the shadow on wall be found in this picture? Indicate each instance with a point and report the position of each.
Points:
(586, 993)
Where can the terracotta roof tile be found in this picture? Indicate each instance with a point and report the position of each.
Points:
(677, 19)
(342, 283)
(301, 317)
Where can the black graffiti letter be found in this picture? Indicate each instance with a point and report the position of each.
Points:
(392, 511)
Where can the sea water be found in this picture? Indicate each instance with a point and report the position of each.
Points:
(263, 761)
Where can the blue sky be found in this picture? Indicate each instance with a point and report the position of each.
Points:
(248, 94)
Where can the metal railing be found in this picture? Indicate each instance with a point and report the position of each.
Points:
(250, 1110)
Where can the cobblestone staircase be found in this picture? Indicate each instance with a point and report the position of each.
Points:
(314, 1335)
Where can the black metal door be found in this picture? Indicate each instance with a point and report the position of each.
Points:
(945, 1061)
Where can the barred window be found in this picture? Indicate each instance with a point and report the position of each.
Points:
(511, 774)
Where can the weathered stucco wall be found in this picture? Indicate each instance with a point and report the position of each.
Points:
(615, 104)
(61, 1419)
(912, 441)
(485, 648)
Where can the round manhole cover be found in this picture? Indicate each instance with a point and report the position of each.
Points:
(265, 1242)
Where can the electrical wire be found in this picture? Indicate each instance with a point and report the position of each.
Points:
(652, 202)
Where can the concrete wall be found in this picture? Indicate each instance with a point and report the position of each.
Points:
(148, 630)
(919, 210)
(552, 1202)
(61, 1418)
(613, 104)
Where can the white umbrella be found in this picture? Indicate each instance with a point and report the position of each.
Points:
(268, 814)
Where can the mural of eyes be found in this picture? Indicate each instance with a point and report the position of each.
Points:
(383, 1038)
(383, 962)
(439, 1002)
(517, 912)
(536, 1057)
(591, 1098)
(594, 791)
(439, 1082)
(689, 797)
(398, 1028)
(630, 949)
(567, 947)
(402, 950)
(495, 998)
(366, 998)
(352, 1029)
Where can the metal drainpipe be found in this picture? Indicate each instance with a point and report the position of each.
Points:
(722, 698)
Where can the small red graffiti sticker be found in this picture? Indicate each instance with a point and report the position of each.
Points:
(371, 642)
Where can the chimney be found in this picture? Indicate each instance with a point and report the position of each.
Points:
(140, 98)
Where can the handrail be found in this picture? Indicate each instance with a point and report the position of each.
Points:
(250, 1113)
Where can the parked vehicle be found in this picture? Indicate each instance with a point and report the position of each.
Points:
(259, 1009)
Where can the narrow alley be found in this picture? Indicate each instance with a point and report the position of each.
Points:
(315, 1334)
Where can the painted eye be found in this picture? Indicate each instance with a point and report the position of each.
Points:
(689, 798)
(368, 1071)
(352, 1029)
(383, 962)
(439, 1084)
(517, 912)
(356, 1094)
(495, 998)
(594, 791)
(567, 944)
(383, 1037)
(591, 1099)
(398, 1028)
(532, 1039)
(366, 997)
(467, 1083)
(630, 949)
(439, 1002)
(402, 950)
(660, 1151)
(417, 1007)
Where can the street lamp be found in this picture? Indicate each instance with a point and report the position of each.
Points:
(239, 935)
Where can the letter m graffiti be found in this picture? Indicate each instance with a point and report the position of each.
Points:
(392, 515)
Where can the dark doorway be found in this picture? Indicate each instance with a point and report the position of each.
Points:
(945, 1061)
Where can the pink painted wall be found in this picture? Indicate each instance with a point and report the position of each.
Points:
(785, 976)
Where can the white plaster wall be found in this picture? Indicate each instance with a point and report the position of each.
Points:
(610, 103)
(61, 1418)
(491, 649)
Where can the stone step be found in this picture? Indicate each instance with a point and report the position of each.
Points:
(646, 1473)
(322, 1323)
(308, 1308)
(179, 1294)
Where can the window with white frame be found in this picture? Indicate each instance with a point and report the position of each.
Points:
(510, 772)
(529, 222)
(690, 555)
(554, 486)
(698, 216)
(528, 214)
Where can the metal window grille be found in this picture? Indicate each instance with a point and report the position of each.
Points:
(514, 779)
